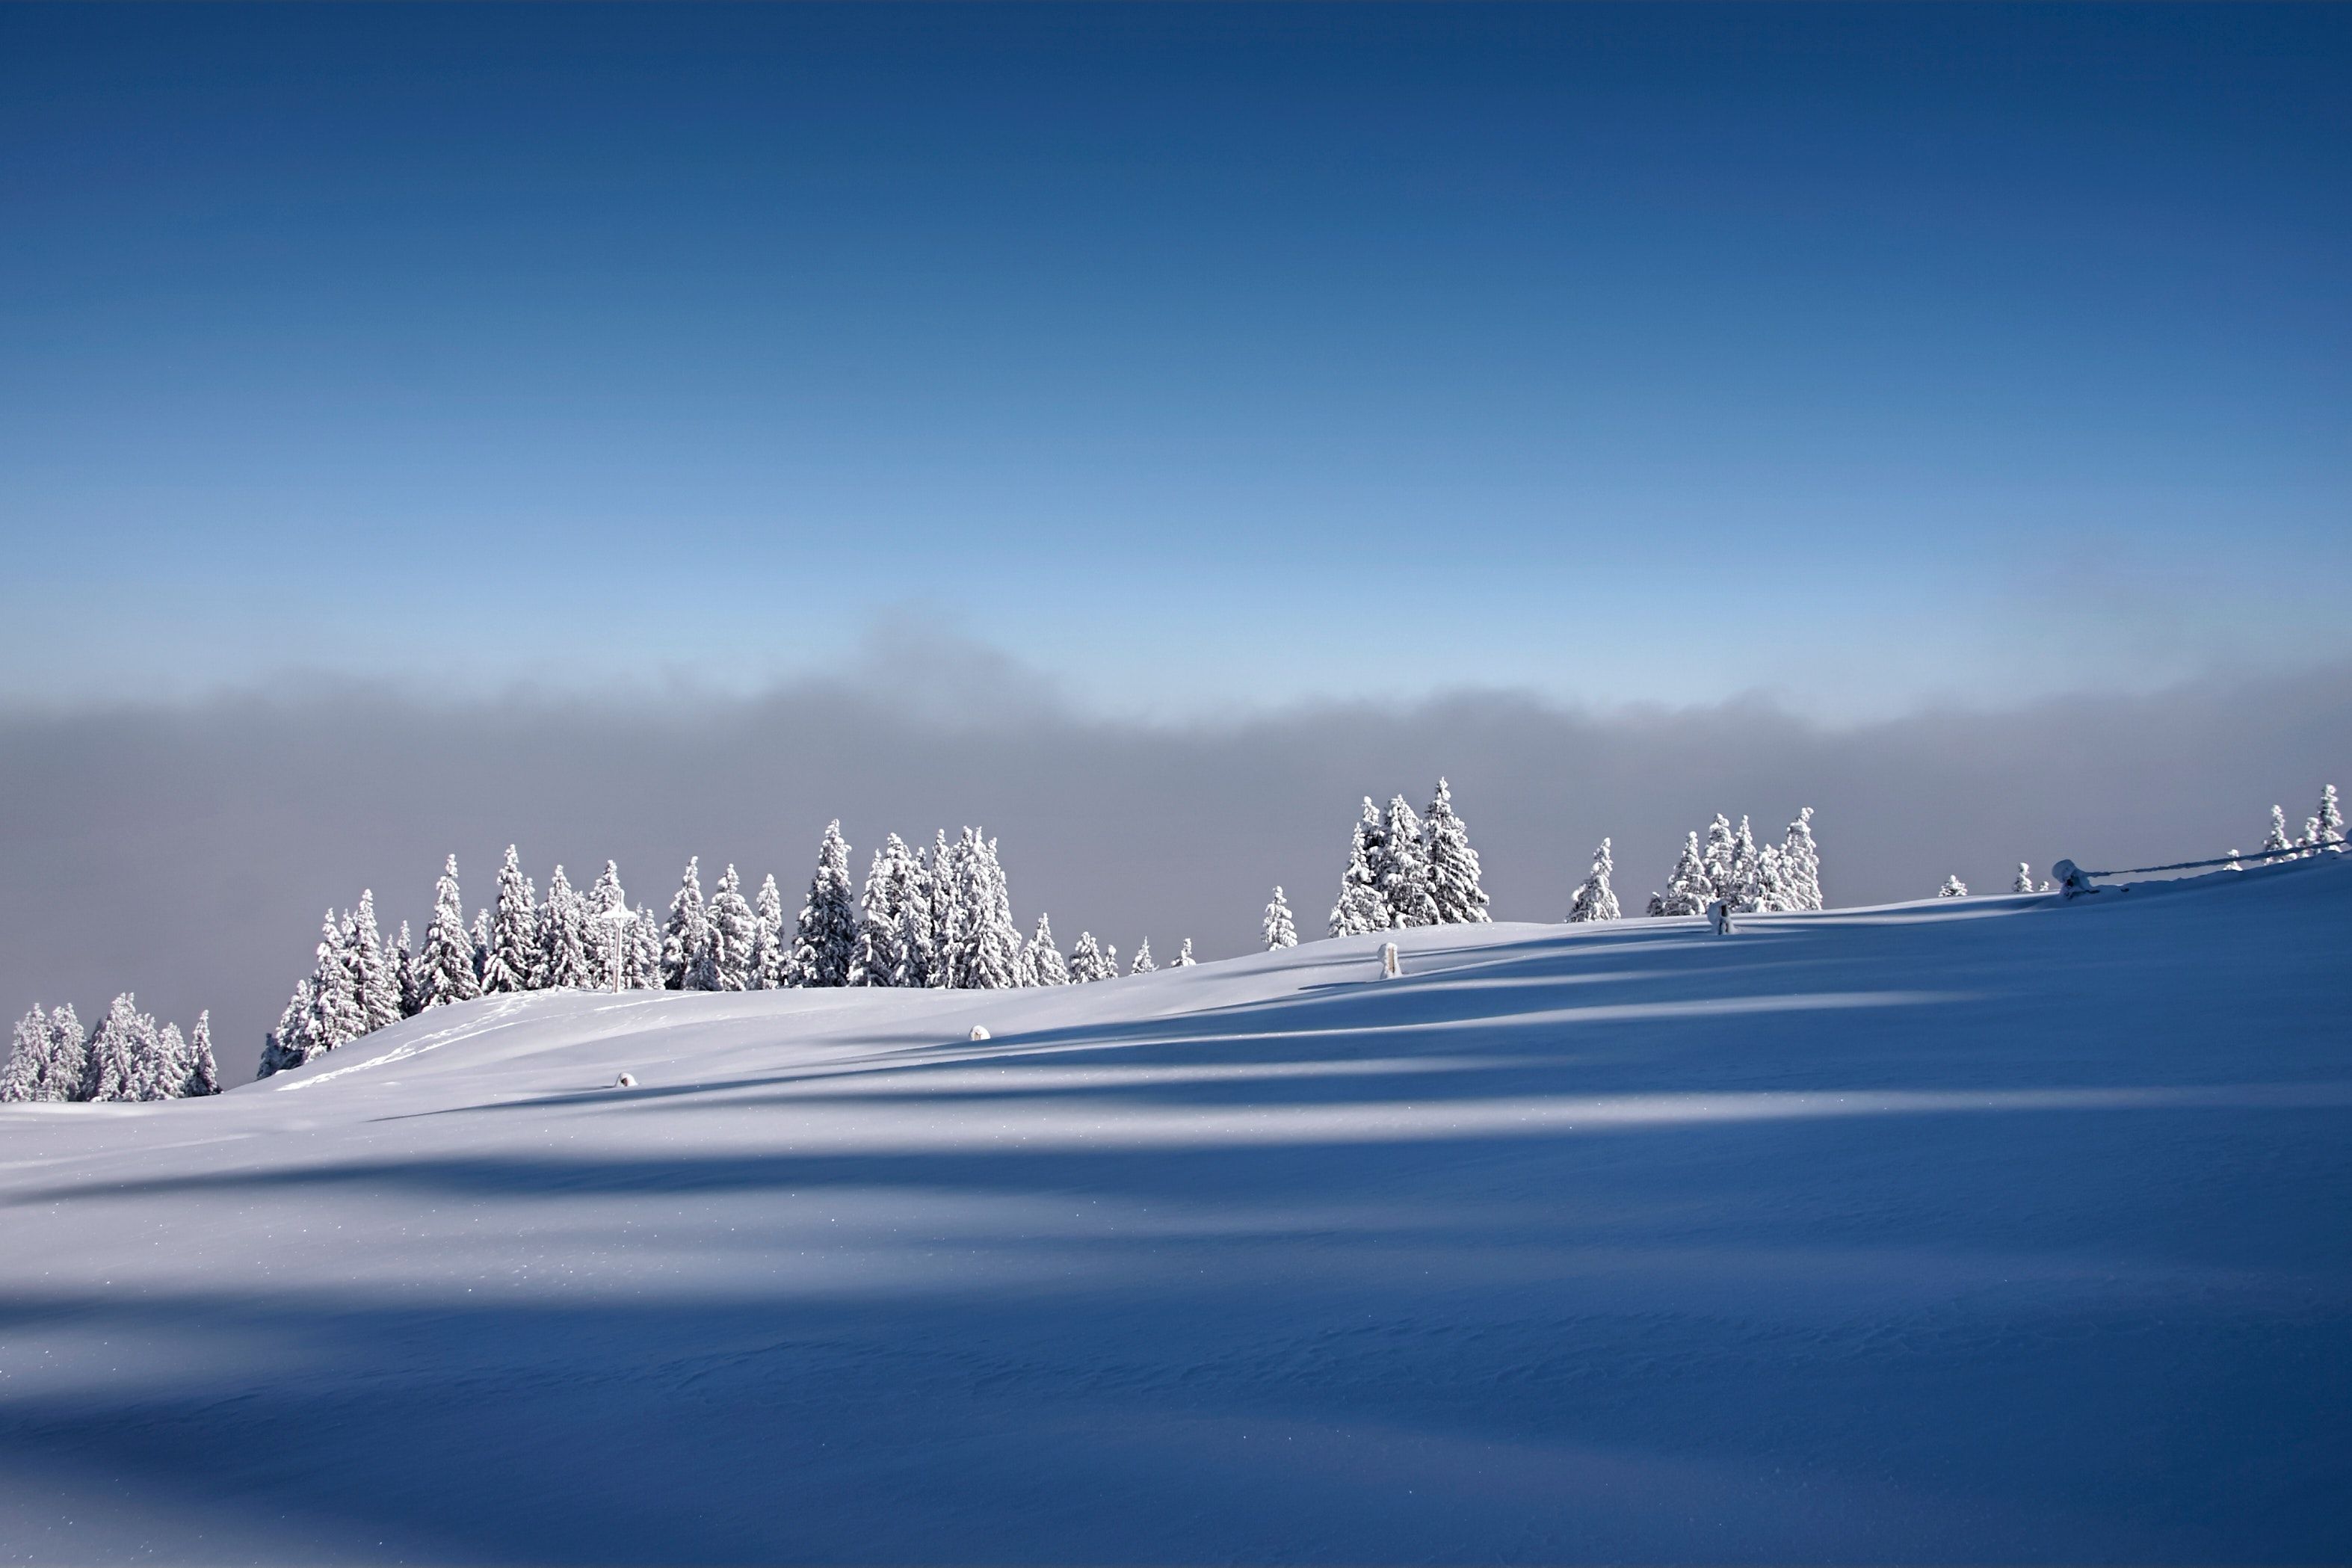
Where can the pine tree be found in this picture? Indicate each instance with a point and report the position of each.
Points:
(1087, 960)
(646, 951)
(1595, 900)
(513, 962)
(1143, 964)
(123, 1038)
(1774, 892)
(727, 960)
(479, 935)
(2276, 843)
(1402, 869)
(203, 1073)
(1363, 907)
(446, 964)
(1110, 961)
(688, 934)
(21, 1080)
(1453, 881)
(825, 947)
(881, 909)
(1045, 963)
(1721, 857)
(289, 1045)
(1184, 954)
(1746, 871)
(2328, 826)
(403, 961)
(606, 931)
(2023, 882)
(1690, 888)
(983, 944)
(564, 961)
(1277, 928)
(1801, 862)
(1953, 887)
(336, 1016)
(944, 877)
(374, 971)
(161, 1068)
(772, 954)
(918, 956)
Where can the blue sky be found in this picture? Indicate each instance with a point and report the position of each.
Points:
(1197, 358)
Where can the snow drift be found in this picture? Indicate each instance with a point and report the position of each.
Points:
(1991, 1229)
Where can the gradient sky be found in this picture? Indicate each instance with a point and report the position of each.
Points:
(1193, 357)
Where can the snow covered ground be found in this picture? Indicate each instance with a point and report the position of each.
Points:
(1989, 1230)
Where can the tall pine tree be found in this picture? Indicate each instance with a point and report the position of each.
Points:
(564, 961)
(22, 1079)
(1363, 907)
(1087, 963)
(1690, 888)
(687, 935)
(772, 954)
(1143, 964)
(445, 966)
(375, 969)
(513, 961)
(1596, 900)
(1402, 869)
(607, 929)
(1454, 882)
(825, 947)
(879, 959)
(117, 1049)
(727, 960)
(1800, 862)
(203, 1073)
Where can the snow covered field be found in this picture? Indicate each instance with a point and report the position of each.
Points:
(1986, 1229)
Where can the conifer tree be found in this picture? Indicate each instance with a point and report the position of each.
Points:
(22, 1079)
(69, 1056)
(203, 1076)
(1595, 900)
(1953, 887)
(1363, 907)
(1087, 963)
(945, 885)
(1045, 964)
(479, 935)
(335, 1013)
(289, 1045)
(513, 962)
(727, 961)
(1746, 870)
(606, 940)
(1402, 869)
(404, 962)
(1801, 862)
(825, 948)
(1453, 879)
(688, 933)
(646, 951)
(881, 909)
(1279, 929)
(162, 1068)
(2328, 826)
(1722, 861)
(375, 982)
(2276, 842)
(564, 961)
(2023, 882)
(1690, 888)
(771, 951)
(446, 964)
(917, 934)
(1775, 891)
(1143, 964)
(1110, 961)
(123, 1038)
(1184, 959)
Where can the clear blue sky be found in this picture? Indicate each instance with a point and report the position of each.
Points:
(1196, 356)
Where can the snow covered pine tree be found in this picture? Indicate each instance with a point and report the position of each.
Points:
(689, 933)
(1596, 900)
(824, 951)
(1453, 879)
(445, 965)
(727, 957)
(1689, 888)
(512, 960)
(1361, 907)
(1400, 869)
(1953, 887)
(1280, 932)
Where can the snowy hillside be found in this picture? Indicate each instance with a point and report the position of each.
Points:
(1985, 1229)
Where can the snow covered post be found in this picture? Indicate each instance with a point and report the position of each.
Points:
(620, 921)
(1389, 968)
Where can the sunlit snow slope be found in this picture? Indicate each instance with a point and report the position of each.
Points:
(1982, 1230)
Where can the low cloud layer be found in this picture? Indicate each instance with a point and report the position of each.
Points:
(187, 853)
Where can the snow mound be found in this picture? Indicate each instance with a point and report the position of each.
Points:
(1994, 1229)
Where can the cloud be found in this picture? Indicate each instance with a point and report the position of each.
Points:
(187, 851)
